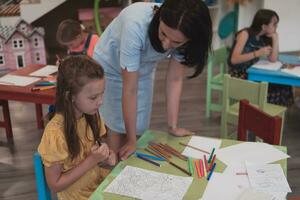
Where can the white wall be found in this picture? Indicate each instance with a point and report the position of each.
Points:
(289, 23)
(31, 12)
(247, 12)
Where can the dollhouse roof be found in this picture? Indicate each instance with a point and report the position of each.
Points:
(11, 10)
(6, 32)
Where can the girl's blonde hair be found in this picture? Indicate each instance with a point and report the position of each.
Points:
(74, 73)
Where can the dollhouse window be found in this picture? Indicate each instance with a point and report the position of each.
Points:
(18, 43)
(1, 59)
(1, 46)
(36, 42)
(23, 27)
(37, 57)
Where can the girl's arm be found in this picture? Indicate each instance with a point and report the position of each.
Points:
(58, 181)
(129, 108)
(237, 57)
(174, 83)
(275, 48)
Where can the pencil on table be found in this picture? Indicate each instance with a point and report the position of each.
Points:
(201, 167)
(192, 147)
(43, 88)
(174, 152)
(205, 163)
(211, 171)
(180, 168)
(211, 155)
(212, 162)
(148, 160)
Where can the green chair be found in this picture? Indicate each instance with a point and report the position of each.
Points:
(234, 90)
(216, 66)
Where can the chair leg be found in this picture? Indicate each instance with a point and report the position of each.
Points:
(6, 117)
(208, 101)
(282, 126)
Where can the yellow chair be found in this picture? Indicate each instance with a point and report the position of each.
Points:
(218, 59)
(234, 90)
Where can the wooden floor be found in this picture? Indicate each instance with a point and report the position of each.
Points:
(16, 166)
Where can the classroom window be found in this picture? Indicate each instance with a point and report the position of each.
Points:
(37, 57)
(36, 42)
(1, 60)
(18, 43)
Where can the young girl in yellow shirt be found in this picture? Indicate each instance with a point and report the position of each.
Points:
(71, 147)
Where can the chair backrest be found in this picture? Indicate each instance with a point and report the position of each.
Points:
(218, 58)
(41, 184)
(258, 122)
(235, 89)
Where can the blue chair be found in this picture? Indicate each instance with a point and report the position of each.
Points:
(41, 184)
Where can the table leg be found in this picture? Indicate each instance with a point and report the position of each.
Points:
(39, 116)
(6, 119)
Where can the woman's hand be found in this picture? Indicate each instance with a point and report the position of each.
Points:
(99, 153)
(179, 132)
(264, 51)
(128, 149)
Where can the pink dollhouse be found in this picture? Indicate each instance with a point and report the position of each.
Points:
(21, 45)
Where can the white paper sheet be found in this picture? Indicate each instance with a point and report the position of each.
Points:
(267, 65)
(17, 80)
(254, 152)
(145, 184)
(221, 187)
(267, 177)
(203, 143)
(45, 71)
(294, 71)
(251, 194)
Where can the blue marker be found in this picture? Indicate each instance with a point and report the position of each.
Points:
(211, 171)
(149, 156)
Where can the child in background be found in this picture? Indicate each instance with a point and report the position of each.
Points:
(258, 40)
(71, 146)
(70, 33)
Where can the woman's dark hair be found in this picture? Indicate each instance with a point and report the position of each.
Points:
(67, 31)
(262, 17)
(192, 18)
(74, 73)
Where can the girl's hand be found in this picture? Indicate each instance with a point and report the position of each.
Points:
(112, 158)
(127, 150)
(99, 153)
(264, 51)
(179, 132)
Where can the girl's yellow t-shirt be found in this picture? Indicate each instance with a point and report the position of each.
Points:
(53, 149)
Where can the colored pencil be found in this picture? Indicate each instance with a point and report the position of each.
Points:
(180, 168)
(201, 167)
(148, 160)
(211, 155)
(175, 152)
(196, 148)
(190, 161)
(212, 162)
(205, 163)
(197, 168)
(211, 171)
(149, 156)
(43, 88)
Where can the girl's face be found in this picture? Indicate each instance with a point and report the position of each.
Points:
(170, 38)
(271, 27)
(79, 40)
(90, 98)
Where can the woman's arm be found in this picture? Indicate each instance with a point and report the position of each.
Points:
(129, 107)
(238, 57)
(59, 181)
(174, 83)
(275, 48)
